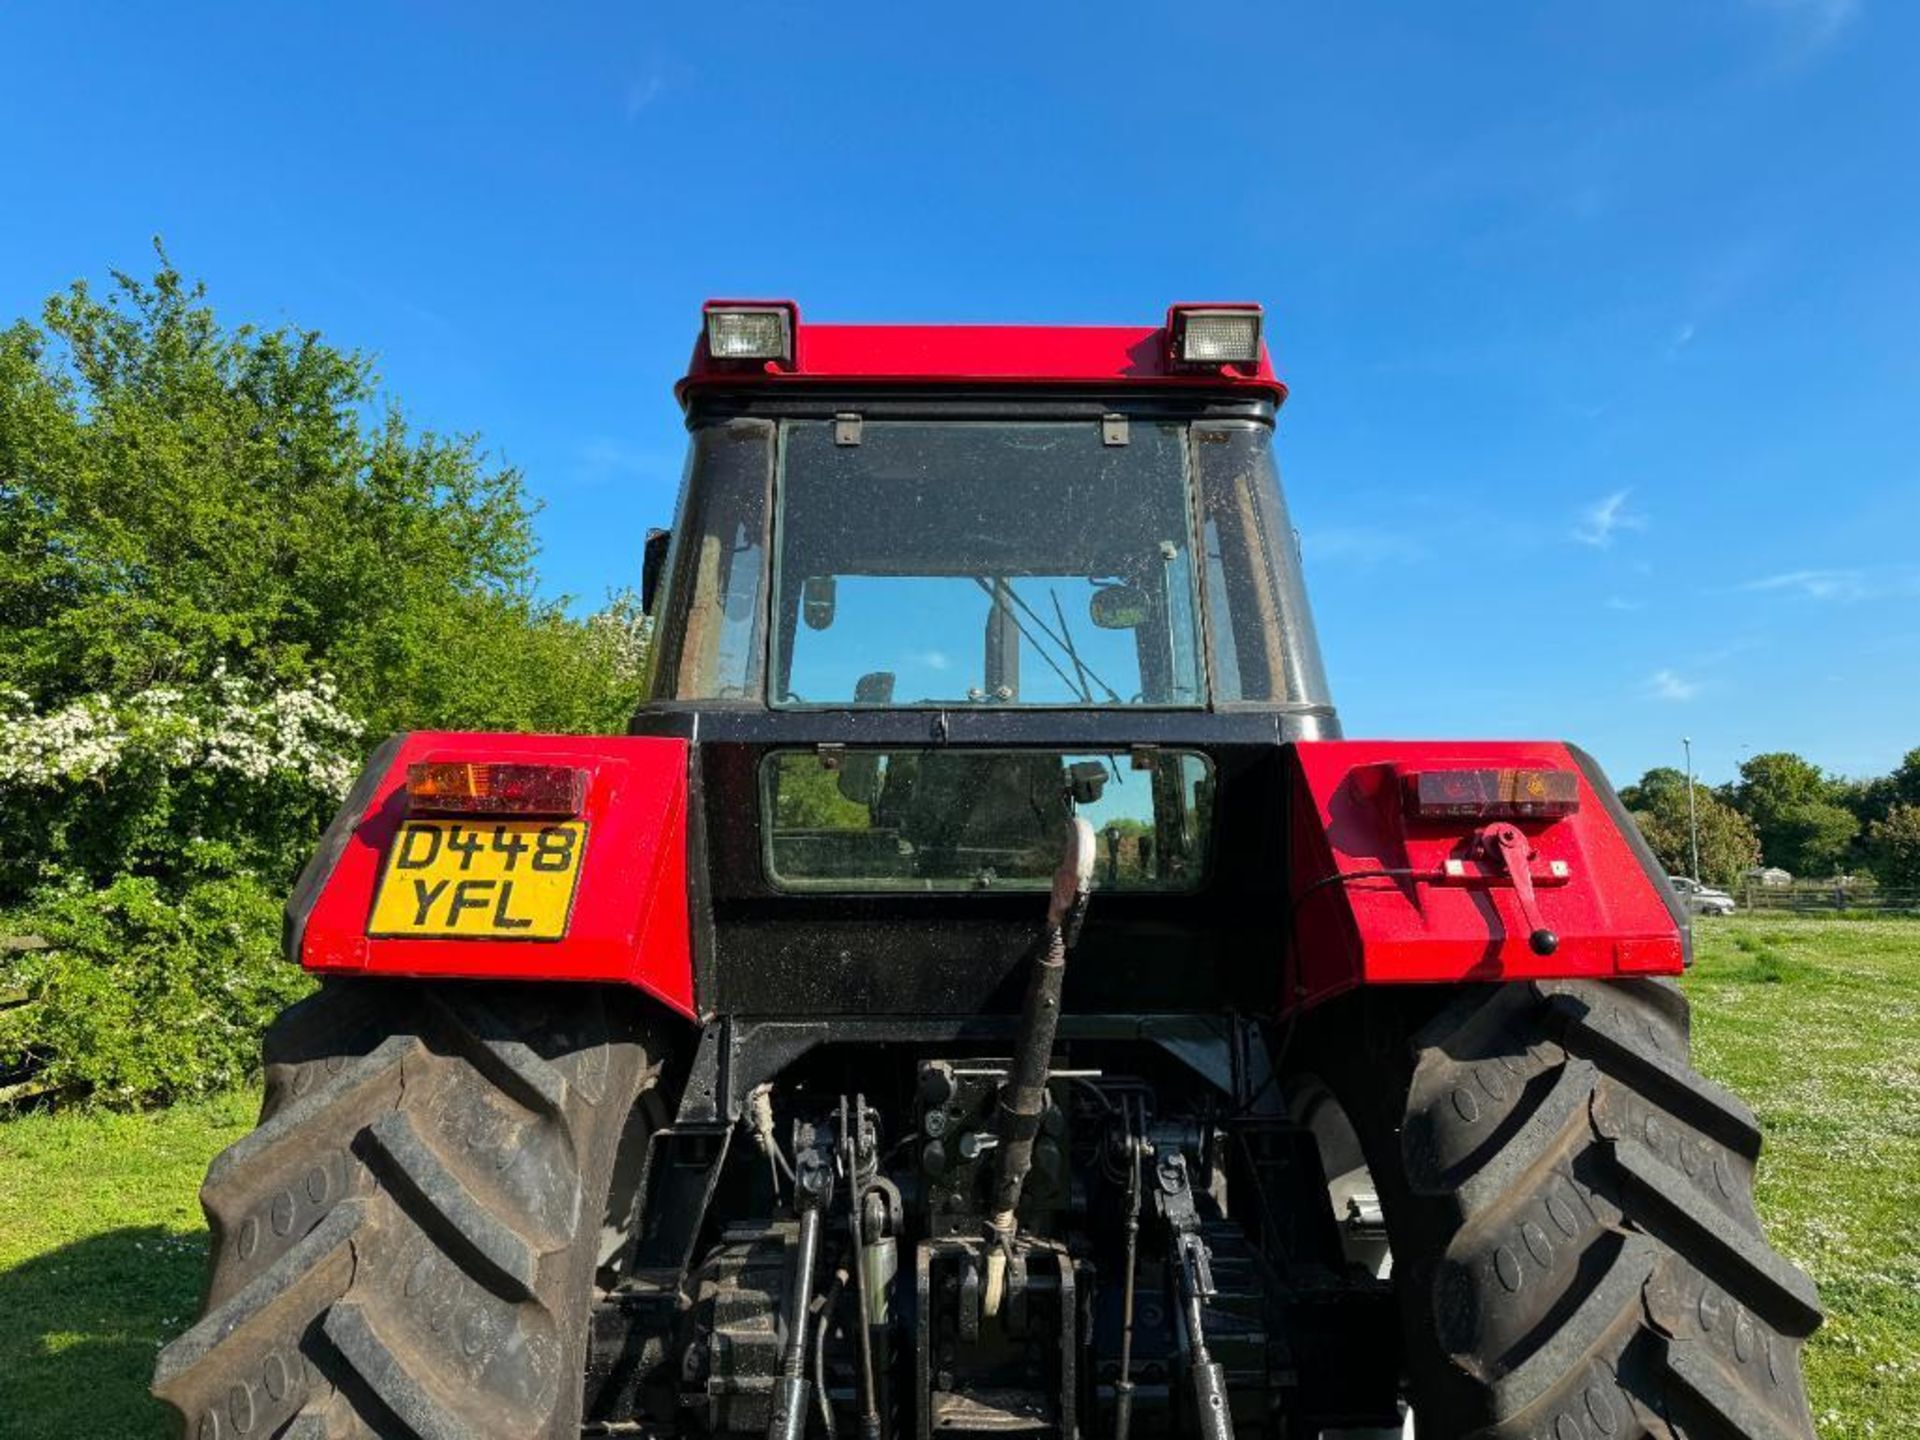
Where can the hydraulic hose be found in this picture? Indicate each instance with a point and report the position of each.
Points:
(1023, 1099)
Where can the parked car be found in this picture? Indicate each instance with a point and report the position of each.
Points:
(1702, 899)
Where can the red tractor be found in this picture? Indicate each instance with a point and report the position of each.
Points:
(983, 995)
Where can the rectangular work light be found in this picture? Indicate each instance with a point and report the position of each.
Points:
(750, 332)
(1204, 335)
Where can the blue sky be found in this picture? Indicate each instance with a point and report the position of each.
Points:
(1603, 322)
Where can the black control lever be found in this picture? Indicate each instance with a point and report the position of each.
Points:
(861, 1167)
(1137, 1151)
(812, 1193)
(1173, 1198)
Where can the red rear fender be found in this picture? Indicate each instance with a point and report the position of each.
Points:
(628, 920)
(1385, 895)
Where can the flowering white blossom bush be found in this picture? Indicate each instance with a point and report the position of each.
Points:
(621, 632)
(234, 726)
(175, 783)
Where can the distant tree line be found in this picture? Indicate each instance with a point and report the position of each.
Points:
(1786, 811)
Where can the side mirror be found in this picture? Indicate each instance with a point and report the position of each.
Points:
(653, 563)
(818, 594)
(1086, 781)
(1118, 607)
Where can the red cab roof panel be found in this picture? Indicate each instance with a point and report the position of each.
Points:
(1082, 356)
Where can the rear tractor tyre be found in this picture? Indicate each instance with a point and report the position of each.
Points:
(407, 1245)
(1569, 1209)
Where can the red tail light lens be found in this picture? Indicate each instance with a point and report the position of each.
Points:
(1492, 794)
(473, 787)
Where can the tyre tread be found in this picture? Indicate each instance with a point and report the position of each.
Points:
(447, 1206)
(1540, 1124)
(439, 1290)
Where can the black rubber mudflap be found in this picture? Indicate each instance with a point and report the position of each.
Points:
(406, 1244)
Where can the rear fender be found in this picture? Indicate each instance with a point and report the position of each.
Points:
(629, 921)
(1439, 915)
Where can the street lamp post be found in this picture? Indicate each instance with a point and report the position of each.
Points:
(1693, 825)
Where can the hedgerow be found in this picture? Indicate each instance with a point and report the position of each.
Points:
(228, 566)
(143, 998)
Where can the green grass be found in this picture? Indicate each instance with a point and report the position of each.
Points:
(1815, 1021)
(102, 1256)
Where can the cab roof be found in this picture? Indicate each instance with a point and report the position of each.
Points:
(995, 356)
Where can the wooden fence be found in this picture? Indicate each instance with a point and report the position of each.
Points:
(1812, 897)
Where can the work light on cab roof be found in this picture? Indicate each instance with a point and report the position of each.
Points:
(1213, 344)
(750, 331)
(1209, 336)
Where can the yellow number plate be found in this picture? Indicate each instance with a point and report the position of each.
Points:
(487, 879)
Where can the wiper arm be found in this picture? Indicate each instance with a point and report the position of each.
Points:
(1027, 635)
(1080, 667)
(1079, 688)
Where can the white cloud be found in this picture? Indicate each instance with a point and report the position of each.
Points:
(1813, 584)
(1622, 603)
(933, 659)
(1813, 22)
(1666, 685)
(656, 76)
(1723, 653)
(1600, 520)
(643, 92)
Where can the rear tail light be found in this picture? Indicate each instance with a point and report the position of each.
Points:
(1492, 794)
(750, 332)
(471, 787)
(1210, 335)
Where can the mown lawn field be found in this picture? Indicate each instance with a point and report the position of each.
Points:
(1816, 1022)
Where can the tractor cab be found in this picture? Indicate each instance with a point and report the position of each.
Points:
(971, 533)
(1037, 556)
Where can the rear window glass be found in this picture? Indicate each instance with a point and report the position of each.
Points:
(978, 820)
(985, 563)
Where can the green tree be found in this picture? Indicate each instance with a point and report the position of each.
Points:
(809, 796)
(1893, 847)
(1867, 800)
(1905, 779)
(1797, 812)
(1815, 839)
(225, 571)
(177, 496)
(1658, 804)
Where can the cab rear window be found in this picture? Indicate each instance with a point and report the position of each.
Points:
(980, 820)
